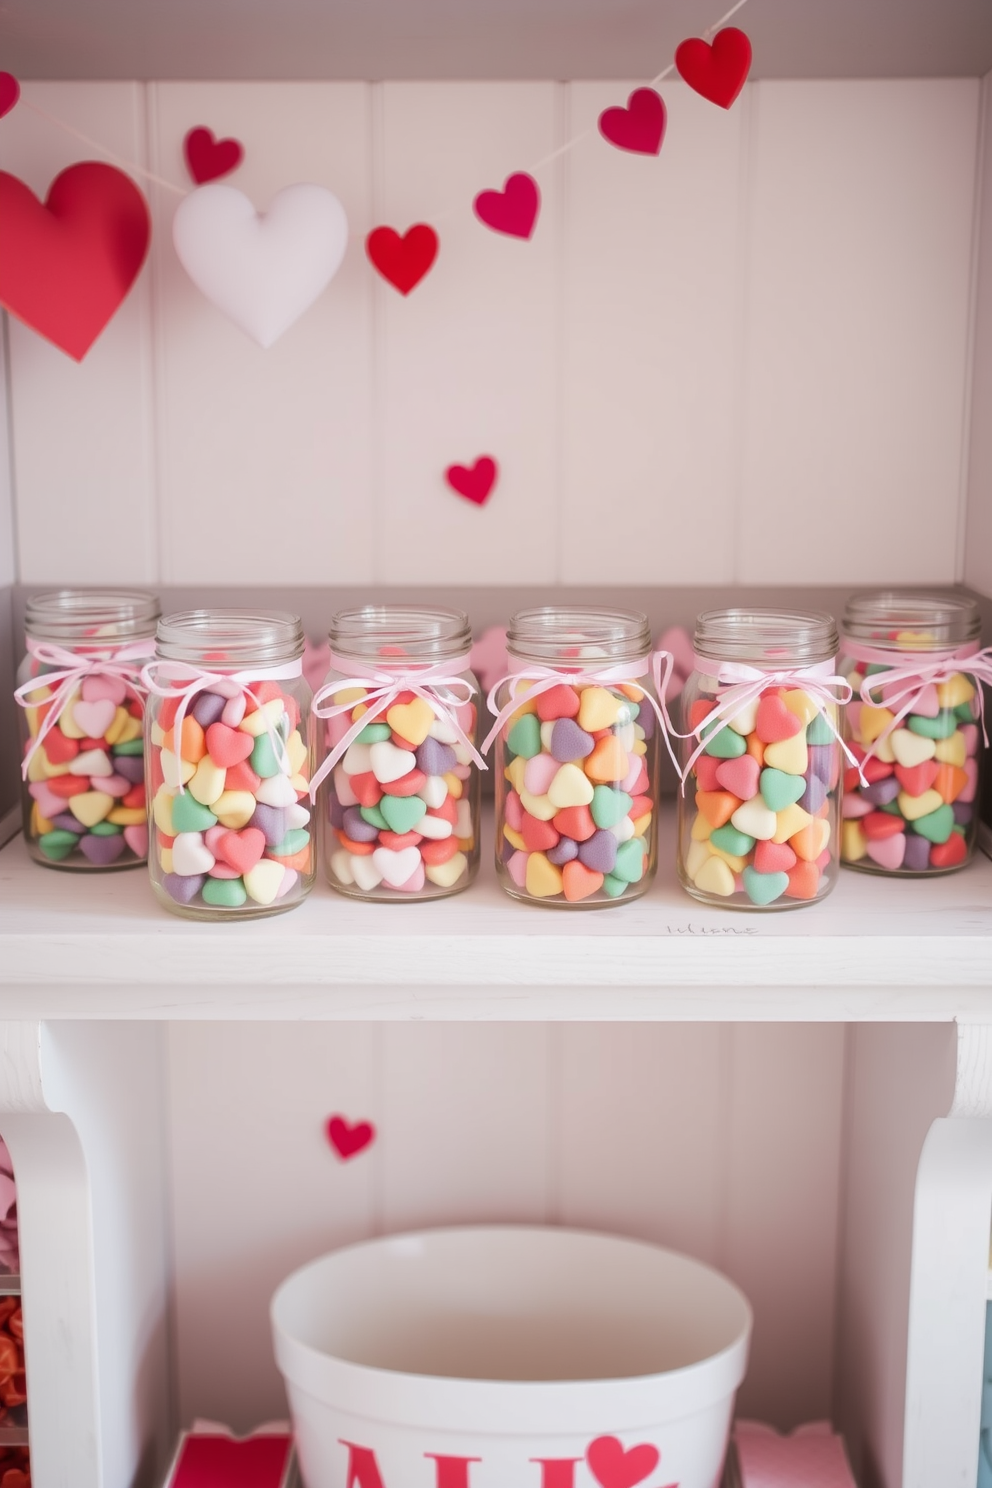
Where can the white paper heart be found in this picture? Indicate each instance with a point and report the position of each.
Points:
(262, 270)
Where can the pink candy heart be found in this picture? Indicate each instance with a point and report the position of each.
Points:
(517, 868)
(854, 806)
(888, 852)
(49, 804)
(539, 773)
(99, 688)
(514, 811)
(971, 770)
(115, 785)
(94, 718)
(740, 776)
(137, 840)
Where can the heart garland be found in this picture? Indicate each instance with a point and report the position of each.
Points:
(10, 92)
(402, 259)
(717, 72)
(67, 263)
(207, 158)
(474, 482)
(349, 1139)
(514, 209)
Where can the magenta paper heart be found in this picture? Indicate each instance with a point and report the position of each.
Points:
(514, 209)
(474, 482)
(640, 126)
(349, 1139)
(10, 92)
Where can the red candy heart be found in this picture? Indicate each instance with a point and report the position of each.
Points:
(348, 1140)
(739, 776)
(67, 263)
(915, 779)
(615, 1467)
(60, 749)
(717, 72)
(241, 850)
(640, 127)
(10, 92)
(228, 746)
(514, 209)
(402, 260)
(365, 788)
(775, 722)
(538, 835)
(950, 853)
(880, 824)
(773, 857)
(474, 482)
(208, 158)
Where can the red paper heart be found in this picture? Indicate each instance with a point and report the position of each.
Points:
(218, 1462)
(403, 260)
(514, 209)
(348, 1140)
(640, 126)
(615, 1467)
(208, 158)
(67, 263)
(718, 72)
(10, 92)
(474, 482)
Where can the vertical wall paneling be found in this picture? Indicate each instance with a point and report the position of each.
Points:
(8, 555)
(781, 1220)
(257, 1191)
(265, 454)
(469, 356)
(82, 431)
(978, 544)
(466, 1123)
(650, 345)
(861, 201)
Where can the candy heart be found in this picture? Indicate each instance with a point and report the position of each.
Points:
(240, 850)
(388, 762)
(773, 857)
(917, 779)
(208, 158)
(412, 721)
(514, 209)
(117, 786)
(560, 701)
(599, 852)
(740, 777)
(190, 854)
(575, 821)
(926, 704)
(811, 840)
(970, 768)
(99, 686)
(90, 807)
(365, 873)
(261, 270)
(715, 877)
(578, 881)
(102, 851)
(276, 791)
(937, 826)
(888, 852)
(951, 751)
(433, 792)
(731, 840)
(804, 881)
(949, 854)
(953, 693)
(93, 763)
(396, 867)
(631, 858)
(743, 722)
(402, 259)
(412, 783)
(227, 746)
(609, 806)
(188, 815)
(524, 738)
(208, 708)
(403, 813)
(881, 792)
(609, 762)
(717, 807)
(723, 743)
(569, 787)
(569, 742)
(764, 888)
(755, 819)
(49, 804)
(911, 749)
(208, 782)
(234, 711)
(94, 718)
(775, 722)
(264, 880)
(543, 880)
(435, 758)
(415, 882)
(539, 773)
(717, 71)
(790, 755)
(137, 840)
(814, 795)
(445, 875)
(640, 127)
(791, 819)
(598, 709)
(940, 727)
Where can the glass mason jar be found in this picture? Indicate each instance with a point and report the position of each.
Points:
(761, 759)
(917, 737)
(229, 757)
(576, 758)
(400, 812)
(81, 724)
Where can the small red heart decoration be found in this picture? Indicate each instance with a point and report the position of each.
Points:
(640, 126)
(348, 1140)
(402, 259)
(514, 209)
(67, 263)
(613, 1466)
(217, 1462)
(717, 72)
(207, 158)
(10, 92)
(474, 482)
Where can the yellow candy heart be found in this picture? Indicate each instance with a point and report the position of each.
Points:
(130, 730)
(853, 843)
(118, 724)
(162, 810)
(788, 755)
(743, 722)
(514, 838)
(715, 877)
(514, 773)
(296, 752)
(642, 823)
(802, 705)
(959, 689)
(543, 878)
(455, 786)
(412, 721)
(206, 783)
(263, 718)
(165, 859)
(734, 863)
(913, 807)
(570, 787)
(791, 819)
(234, 809)
(446, 875)
(695, 858)
(874, 721)
(67, 723)
(127, 816)
(598, 709)
(350, 695)
(701, 828)
(951, 751)
(90, 807)
(263, 881)
(52, 771)
(538, 806)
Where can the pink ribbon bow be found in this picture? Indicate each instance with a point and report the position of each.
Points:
(382, 688)
(900, 688)
(71, 667)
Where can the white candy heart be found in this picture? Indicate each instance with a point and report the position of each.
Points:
(434, 826)
(264, 881)
(396, 867)
(390, 763)
(261, 270)
(463, 819)
(190, 854)
(342, 788)
(276, 791)
(175, 770)
(357, 759)
(433, 791)
(623, 830)
(365, 872)
(755, 819)
(297, 815)
(93, 763)
(443, 732)
(912, 749)
(94, 718)
(341, 866)
(745, 720)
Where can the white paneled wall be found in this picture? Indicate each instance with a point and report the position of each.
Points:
(722, 1142)
(750, 353)
(978, 550)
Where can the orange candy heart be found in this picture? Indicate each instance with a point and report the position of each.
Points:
(804, 880)
(717, 806)
(578, 881)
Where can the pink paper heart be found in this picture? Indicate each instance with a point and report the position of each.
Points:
(100, 687)
(94, 718)
(347, 1138)
(474, 482)
(640, 127)
(10, 92)
(514, 209)
(888, 852)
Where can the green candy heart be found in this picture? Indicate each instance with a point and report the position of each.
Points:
(374, 733)
(892, 807)
(630, 859)
(374, 817)
(874, 667)
(764, 888)
(263, 758)
(937, 826)
(402, 813)
(963, 713)
(730, 840)
(941, 727)
(524, 737)
(614, 886)
(724, 743)
(819, 731)
(293, 842)
(779, 789)
(58, 844)
(189, 816)
(133, 746)
(105, 829)
(225, 893)
(609, 806)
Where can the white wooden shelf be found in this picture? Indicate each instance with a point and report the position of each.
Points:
(99, 946)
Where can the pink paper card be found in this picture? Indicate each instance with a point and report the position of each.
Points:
(812, 1457)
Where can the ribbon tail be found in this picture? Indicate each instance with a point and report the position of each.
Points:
(344, 744)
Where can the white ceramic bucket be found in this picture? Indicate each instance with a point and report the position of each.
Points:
(510, 1357)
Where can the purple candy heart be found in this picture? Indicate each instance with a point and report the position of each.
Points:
(207, 708)
(435, 758)
(130, 767)
(508, 850)
(271, 821)
(335, 811)
(102, 851)
(814, 795)
(68, 823)
(917, 855)
(357, 828)
(183, 887)
(566, 850)
(599, 852)
(646, 717)
(569, 742)
(881, 792)
(963, 812)
(822, 762)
